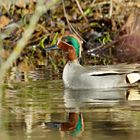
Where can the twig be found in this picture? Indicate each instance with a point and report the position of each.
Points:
(78, 4)
(99, 4)
(70, 26)
(65, 14)
(77, 33)
(111, 8)
(40, 9)
(104, 46)
(93, 2)
(1, 51)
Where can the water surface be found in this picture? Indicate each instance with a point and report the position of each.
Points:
(43, 110)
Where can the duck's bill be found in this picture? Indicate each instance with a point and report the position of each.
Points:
(53, 47)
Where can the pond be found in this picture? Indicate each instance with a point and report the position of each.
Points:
(43, 110)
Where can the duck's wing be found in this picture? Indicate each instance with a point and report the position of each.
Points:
(113, 69)
(132, 71)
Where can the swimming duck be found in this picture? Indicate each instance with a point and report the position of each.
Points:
(76, 76)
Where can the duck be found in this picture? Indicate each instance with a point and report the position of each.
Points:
(77, 99)
(78, 77)
(74, 124)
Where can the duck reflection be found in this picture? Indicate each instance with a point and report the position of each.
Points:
(80, 98)
(74, 125)
(133, 94)
(88, 113)
(75, 99)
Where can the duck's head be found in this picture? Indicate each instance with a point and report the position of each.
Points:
(70, 44)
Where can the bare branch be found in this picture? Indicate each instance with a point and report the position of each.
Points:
(40, 9)
(78, 4)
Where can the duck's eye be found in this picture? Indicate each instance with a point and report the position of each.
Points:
(69, 43)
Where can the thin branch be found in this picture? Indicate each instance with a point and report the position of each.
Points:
(104, 46)
(40, 9)
(78, 4)
(99, 3)
(74, 30)
(65, 14)
(70, 26)
(111, 8)
(93, 2)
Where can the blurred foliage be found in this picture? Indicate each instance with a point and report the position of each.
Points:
(101, 28)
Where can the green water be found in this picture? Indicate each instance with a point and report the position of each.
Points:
(37, 111)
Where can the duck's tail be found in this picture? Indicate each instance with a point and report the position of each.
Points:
(133, 77)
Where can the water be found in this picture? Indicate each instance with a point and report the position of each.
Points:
(43, 110)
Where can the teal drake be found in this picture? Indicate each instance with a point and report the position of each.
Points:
(76, 76)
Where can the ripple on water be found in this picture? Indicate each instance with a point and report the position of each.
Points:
(26, 110)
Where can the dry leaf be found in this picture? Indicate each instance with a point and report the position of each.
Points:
(4, 21)
(21, 3)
